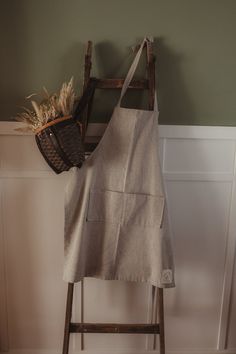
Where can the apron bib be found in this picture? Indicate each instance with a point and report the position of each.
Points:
(115, 209)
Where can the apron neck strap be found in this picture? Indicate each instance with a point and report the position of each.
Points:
(131, 71)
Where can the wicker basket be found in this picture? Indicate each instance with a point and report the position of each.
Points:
(60, 142)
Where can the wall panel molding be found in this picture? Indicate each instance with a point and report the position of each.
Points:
(229, 267)
(165, 131)
(184, 351)
(4, 340)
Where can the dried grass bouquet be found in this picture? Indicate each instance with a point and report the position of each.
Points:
(51, 107)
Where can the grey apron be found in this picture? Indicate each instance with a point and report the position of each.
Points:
(115, 211)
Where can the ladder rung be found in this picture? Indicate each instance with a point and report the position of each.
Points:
(114, 328)
(118, 83)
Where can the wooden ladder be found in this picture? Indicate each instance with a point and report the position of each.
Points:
(157, 293)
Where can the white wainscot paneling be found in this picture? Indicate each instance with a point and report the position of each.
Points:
(33, 225)
(126, 302)
(199, 156)
(231, 340)
(3, 295)
(200, 313)
(20, 153)
(199, 214)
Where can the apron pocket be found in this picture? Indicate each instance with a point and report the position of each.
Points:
(125, 208)
(105, 205)
(144, 210)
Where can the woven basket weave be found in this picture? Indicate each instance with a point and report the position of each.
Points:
(60, 143)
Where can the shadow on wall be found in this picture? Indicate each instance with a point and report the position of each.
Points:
(108, 60)
(72, 64)
(174, 101)
(113, 61)
(14, 58)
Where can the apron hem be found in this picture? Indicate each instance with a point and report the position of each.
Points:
(130, 279)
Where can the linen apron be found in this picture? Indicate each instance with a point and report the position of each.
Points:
(115, 211)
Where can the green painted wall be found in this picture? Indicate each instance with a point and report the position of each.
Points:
(42, 43)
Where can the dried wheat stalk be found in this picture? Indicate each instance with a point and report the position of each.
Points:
(51, 107)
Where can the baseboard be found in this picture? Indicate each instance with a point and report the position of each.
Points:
(131, 351)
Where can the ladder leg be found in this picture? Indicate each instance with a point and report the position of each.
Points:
(154, 313)
(161, 320)
(69, 303)
(82, 311)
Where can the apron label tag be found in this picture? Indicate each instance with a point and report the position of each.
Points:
(166, 277)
